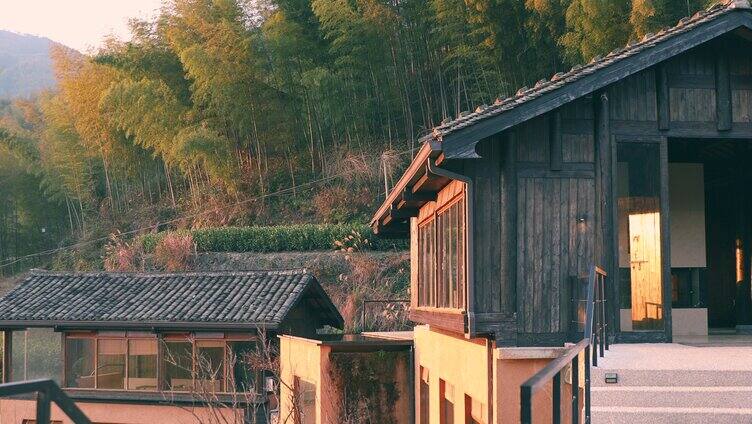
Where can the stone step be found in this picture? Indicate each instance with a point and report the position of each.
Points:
(673, 397)
(663, 378)
(656, 415)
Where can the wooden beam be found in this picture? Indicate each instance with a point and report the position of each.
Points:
(408, 195)
(554, 139)
(723, 90)
(662, 97)
(404, 213)
(509, 224)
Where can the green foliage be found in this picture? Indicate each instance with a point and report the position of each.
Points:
(368, 385)
(263, 112)
(282, 238)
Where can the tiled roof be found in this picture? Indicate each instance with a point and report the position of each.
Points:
(559, 80)
(261, 298)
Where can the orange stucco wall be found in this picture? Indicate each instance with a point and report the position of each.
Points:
(310, 361)
(15, 411)
(482, 372)
(307, 360)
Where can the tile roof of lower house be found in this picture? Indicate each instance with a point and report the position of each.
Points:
(201, 299)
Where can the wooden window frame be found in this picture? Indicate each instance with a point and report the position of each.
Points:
(160, 339)
(430, 297)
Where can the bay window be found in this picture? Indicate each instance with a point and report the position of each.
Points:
(442, 253)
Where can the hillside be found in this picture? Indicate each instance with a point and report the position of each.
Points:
(25, 65)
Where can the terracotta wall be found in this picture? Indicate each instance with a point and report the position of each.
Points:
(16, 411)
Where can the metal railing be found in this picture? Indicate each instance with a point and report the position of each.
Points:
(593, 343)
(47, 392)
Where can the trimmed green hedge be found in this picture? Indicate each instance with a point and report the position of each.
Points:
(283, 238)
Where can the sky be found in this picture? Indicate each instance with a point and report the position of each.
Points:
(80, 24)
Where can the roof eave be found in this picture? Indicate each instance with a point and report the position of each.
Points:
(431, 149)
(157, 326)
(461, 143)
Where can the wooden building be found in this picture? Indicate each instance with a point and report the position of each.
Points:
(638, 162)
(141, 348)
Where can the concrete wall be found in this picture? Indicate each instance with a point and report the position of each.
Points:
(684, 321)
(15, 411)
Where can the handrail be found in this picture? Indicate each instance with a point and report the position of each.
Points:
(594, 340)
(47, 392)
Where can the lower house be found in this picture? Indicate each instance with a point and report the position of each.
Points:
(138, 348)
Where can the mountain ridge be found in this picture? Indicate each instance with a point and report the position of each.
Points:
(25, 65)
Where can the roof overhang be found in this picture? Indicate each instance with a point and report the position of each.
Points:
(461, 143)
(415, 188)
(155, 326)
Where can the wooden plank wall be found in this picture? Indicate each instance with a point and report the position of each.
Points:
(542, 217)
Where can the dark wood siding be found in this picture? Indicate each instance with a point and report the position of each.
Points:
(543, 204)
(555, 242)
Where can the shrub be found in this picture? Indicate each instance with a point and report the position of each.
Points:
(121, 256)
(175, 252)
(283, 238)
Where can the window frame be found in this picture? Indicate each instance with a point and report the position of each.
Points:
(436, 294)
(160, 339)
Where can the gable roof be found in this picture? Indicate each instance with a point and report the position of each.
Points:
(191, 300)
(457, 138)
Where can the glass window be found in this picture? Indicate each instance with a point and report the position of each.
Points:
(18, 355)
(79, 362)
(142, 364)
(35, 355)
(43, 354)
(210, 366)
(639, 228)
(178, 365)
(243, 377)
(441, 262)
(111, 364)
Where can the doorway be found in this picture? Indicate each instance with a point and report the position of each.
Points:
(711, 235)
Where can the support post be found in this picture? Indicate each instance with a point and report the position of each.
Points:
(723, 91)
(606, 246)
(662, 97)
(555, 139)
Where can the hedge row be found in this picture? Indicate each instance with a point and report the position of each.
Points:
(283, 238)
